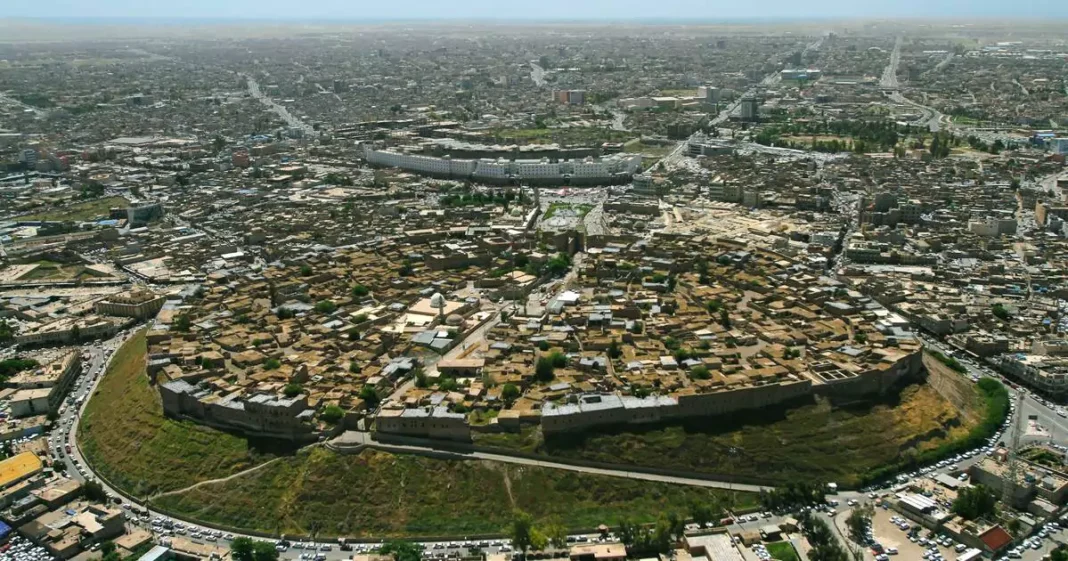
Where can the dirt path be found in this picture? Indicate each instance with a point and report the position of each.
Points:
(210, 481)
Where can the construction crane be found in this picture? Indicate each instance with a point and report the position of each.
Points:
(1012, 466)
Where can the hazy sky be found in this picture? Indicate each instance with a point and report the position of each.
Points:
(539, 9)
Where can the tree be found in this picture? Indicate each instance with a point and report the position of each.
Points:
(370, 396)
(325, 307)
(94, 491)
(241, 549)
(543, 369)
(509, 393)
(332, 414)
(614, 351)
(859, 522)
(556, 533)
(724, 319)
(354, 367)
(1000, 311)
(1058, 554)
(272, 364)
(218, 143)
(181, 323)
(305, 270)
(522, 531)
(292, 390)
(402, 550)
(360, 291)
(703, 513)
(7, 333)
(975, 502)
(109, 552)
(700, 372)
(76, 333)
(264, 551)
(559, 359)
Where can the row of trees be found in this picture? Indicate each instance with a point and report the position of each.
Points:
(792, 495)
(824, 545)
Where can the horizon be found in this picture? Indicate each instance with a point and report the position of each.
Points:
(339, 11)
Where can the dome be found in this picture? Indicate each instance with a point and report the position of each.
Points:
(437, 300)
(454, 319)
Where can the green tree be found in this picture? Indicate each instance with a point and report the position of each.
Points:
(325, 307)
(1001, 311)
(181, 323)
(360, 291)
(332, 414)
(293, 390)
(402, 550)
(703, 513)
(521, 531)
(614, 351)
(272, 364)
(509, 393)
(725, 318)
(559, 359)
(975, 502)
(94, 491)
(354, 367)
(370, 396)
(76, 333)
(700, 372)
(7, 332)
(859, 521)
(556, 533)
(241, 549)
(543, 369)
(264, 551)
(305, 270)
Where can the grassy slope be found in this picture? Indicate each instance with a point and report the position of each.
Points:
(126, 438)
(380, 494)
(815, 442)
(96, 208)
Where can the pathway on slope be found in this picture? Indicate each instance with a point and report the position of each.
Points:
(210, 481)
(355, 440)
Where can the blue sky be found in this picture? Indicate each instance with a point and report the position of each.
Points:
(537, 9)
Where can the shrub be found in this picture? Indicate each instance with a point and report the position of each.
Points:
(332, 414)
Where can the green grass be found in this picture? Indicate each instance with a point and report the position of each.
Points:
(571, 136)
(813, 441)
(387, 495)
(581, 210)
(50, 270)
(783, 551)
(87, 210)
(636, 146)
(126, 438)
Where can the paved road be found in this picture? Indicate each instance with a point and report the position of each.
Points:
(889, 79)
(281, 111)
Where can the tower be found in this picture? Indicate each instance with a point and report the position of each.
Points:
(1014, 445)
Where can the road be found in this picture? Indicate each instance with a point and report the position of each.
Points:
(281, 111)
(38, 112)
(889, 79)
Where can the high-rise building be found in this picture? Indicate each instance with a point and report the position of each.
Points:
(29, 157)
(570, 97)
(708, 94)
(750, 109)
